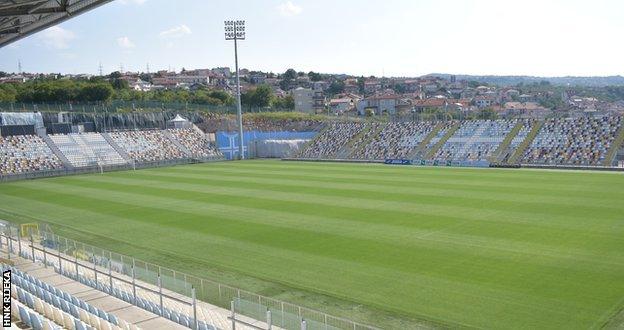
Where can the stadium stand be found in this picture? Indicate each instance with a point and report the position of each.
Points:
(84, 300)
(26, 153)
(195, 142)
(573, 141)
(332, 139)
(474, 141)
(147, 146)
(440, 134)
(396, 141)
(87, 149)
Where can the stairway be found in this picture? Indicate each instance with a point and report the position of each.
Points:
(117, 148)
(55, 149)
(431, 152)
(615, 147)
(367, 141)
(502, 148)
(307, 144)
(178, 144)
(519, 152)
(347, 149)
(420, 149)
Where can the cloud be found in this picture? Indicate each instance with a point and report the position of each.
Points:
(68, 56)
(57, 37)
(289, 9)
(125, 42)
(176, 32)
(135, 2)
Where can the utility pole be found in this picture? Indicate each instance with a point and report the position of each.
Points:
(235, 30)
(101, 69)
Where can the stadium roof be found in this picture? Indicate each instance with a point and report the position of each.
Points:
(21, 18)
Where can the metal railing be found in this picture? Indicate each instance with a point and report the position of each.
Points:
(103, 168)
(168, 286)
(127, 106)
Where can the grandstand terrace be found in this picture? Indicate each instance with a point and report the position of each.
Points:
(396, 140)
(573, 141)
(582, 141)
(29, 156)
(87, 149)
(332, 139)
(26, 153)
(474, 141)
(146, 146)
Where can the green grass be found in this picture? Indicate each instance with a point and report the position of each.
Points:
(449, 247)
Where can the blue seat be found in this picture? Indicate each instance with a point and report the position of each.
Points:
(65, 306)
(75, 300)
(167, 313)
(74, 311)
(54, 301)
(30, 301)
(112, 319)
(175, 316)
(83, 305)
(79, 325)
(184, 320)
(24, 316)
(20, 295)
(93, 310)
(35, 320)
(201, 325)
(102, 314)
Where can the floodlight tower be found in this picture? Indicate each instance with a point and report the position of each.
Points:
(235, 30)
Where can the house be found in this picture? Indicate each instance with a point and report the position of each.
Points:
(189, 80)
(165, 82)
(13, 79)
(257, 78)
(308, 100)
(441, 103)
(525, 110)
(372, 86)
(482, 101)
(344, 103)
(222, 71)
(379, 104)
(140, 85)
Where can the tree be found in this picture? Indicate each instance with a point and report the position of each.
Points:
(336, 87)
(260, 96)
(146, 77)
(399, 88)
(96, 92)
(222, 96)
(360, 84)
(487, 113)
(315, 76)
(115, 75)
(290, 74)
(287, 102)
(120, 84)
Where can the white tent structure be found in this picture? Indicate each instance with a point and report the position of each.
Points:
(179, 122)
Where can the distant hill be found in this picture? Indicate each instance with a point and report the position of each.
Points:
(561, 81)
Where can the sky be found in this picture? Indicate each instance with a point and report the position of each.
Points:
(360, 37)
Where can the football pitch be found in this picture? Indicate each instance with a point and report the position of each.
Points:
(405, 245)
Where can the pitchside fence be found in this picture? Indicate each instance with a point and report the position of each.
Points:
(105, 168)
(165, 285)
